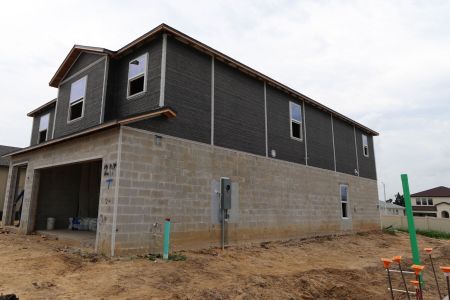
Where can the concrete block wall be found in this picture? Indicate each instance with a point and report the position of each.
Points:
(101, 145)
(277, 199)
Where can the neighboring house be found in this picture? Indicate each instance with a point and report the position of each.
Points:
(391, 209)
(4, 166)
(148, 131)
(434, 202)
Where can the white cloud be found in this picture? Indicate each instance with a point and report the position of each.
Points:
(382, 63)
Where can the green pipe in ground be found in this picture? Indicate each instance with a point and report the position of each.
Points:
(166, 239)
(410, 218)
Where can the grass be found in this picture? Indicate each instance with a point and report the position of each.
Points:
(428, 233)
(173, 257)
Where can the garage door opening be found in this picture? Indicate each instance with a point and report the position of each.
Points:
(68, 199)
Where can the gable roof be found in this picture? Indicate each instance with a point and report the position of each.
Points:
(41, 108)
(163, 28)
(440, 191)
(4, 161)
(71, 58)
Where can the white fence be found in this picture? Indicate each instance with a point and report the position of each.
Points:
(422, 223)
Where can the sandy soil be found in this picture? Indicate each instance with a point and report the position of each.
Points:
(343, 267)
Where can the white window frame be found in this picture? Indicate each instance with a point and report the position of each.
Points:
(39, 128)
(365, 146)
(81, 99)
(347, 202)
(291, 120)
(137, 76)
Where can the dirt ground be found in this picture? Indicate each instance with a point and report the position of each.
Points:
(341, 267)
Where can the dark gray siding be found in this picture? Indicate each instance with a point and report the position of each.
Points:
(118, 106)
(278, 127)
(188, 92)
(84, 60)
(35, 128)
(238, 110)
(319, 138)
(366, 164)
(92, 102)
(344, 140)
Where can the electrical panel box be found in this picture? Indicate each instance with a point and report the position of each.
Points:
(225, 193)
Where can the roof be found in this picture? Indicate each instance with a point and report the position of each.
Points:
(6, 150)
(41, 108)
(71, 58)
(389, 205)
(163, 28)
(440, 191)
(163, 111)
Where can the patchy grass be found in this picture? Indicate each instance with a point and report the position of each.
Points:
(173, 257)
(434, 234)
(428, 233)
(389, 230)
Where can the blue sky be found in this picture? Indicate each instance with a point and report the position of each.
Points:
(385, 64)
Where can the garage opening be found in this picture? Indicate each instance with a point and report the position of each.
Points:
(68, 199)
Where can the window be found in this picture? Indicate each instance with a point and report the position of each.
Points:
(424, 201)
(418, 201)
(137, 76)
(365, 145)
(296, 120)
(43, 128)
(344, 200)
(430, 201)
(77, 95)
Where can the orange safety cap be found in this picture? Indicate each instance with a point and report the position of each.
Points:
(445, 269)
(417, 269)
(428, 250)
(386, 262)
(415, 282)
(397, 258)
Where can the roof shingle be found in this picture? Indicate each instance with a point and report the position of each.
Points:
(440, 191)
(4, 161)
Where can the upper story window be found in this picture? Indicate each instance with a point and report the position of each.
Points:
(295, 112)
(424, 201)
(137, 76)
(344, 200)
(365, 145)
(43, 128)
(77, 96)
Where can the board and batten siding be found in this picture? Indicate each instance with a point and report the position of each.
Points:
(188, 92)
(92, 101)
(239, 121)
(344, 140)
(36, 121)
(118, 105)
(319, 136)
(366, 164)
(239, 116)
(278, 127)
(243, 107)
(82, 61)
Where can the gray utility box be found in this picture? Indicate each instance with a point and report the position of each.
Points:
(225, 193)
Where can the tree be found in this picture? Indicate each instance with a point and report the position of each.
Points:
(399, 200)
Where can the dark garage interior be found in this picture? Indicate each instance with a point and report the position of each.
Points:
(69, 191)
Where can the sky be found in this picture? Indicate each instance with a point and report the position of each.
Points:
(385, 64)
